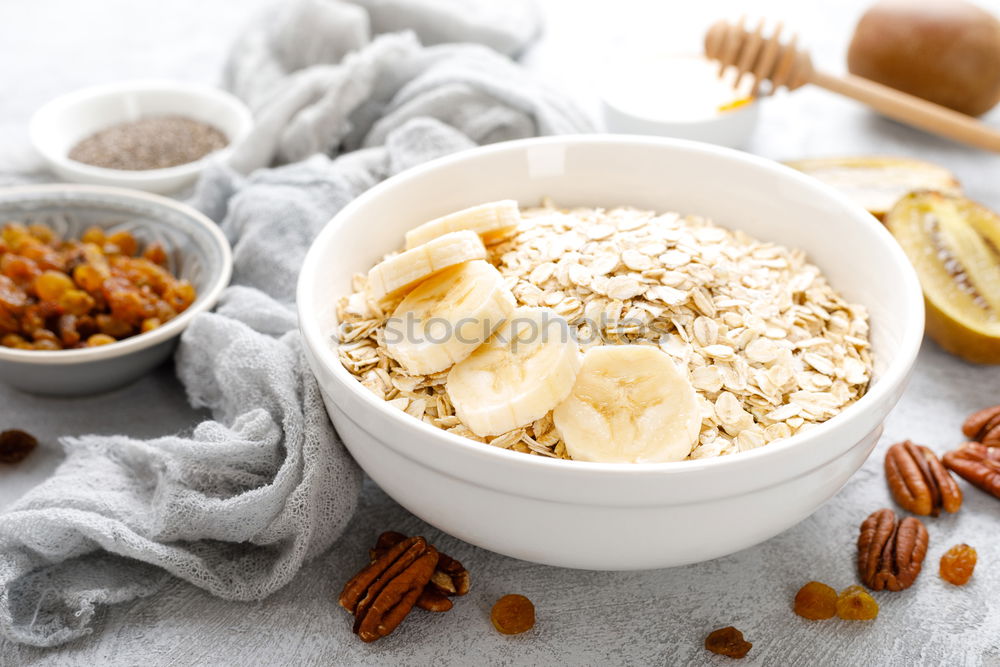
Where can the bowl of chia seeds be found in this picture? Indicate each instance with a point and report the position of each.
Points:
(148, 135)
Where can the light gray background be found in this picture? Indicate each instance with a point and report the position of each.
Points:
(654, 617)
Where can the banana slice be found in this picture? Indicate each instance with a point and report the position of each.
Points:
(447, 317)
(493, 222)
(630, 404)
(403, 271)
(524, 370)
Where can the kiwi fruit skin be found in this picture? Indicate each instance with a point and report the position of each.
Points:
(945, 51)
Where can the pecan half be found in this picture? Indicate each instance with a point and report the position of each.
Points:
(918, 481)
(984, 426)
(384, 592)
(890, 554)
(977, 464)
(449, 578)
(432, 600)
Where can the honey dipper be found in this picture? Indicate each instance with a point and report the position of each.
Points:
(766, 58)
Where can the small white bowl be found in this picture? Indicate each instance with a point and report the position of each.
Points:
(62, 123)
(614, 516)
(644, 94)
(197, 251)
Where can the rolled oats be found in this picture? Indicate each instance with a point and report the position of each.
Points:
(768, 345)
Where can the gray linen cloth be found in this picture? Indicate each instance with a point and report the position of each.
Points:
(239, 505)
(375, 85)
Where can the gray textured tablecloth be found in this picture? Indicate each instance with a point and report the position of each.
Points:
(653, 617)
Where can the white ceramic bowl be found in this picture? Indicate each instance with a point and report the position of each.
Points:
(597, 515)
(59, 125)
(645, 93)
(731, 128)
(197, 251)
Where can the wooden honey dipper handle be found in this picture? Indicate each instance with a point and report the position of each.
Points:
(768, 59)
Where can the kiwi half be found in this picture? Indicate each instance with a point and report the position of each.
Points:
(954, 244)
(877, 183)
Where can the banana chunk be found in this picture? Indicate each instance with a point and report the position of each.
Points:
(405, 270)
(524, 370)
(493, 222)
(630, 404)
(446, 317)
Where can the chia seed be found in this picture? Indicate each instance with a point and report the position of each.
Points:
(149, 143)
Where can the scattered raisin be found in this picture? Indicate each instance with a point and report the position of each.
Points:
(729, 642)
(16, 445)
(855, 604)
(816, 601)
(957, 564)
(513, 614)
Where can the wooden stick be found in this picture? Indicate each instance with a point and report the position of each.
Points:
(912, 110)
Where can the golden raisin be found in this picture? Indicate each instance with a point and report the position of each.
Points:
(855, 604)
(42, 233)
(957, 564)
(12, 297)
(115, 328)
(513, 614)
(52, 284)
(99, 339)
(150, 323)
(76, 302)
(729, 642)
(155, 253)
(93, 235)
(123, 243)
(68, 333)
(180, 295)
(15, 446)
(816, 601)
(88, 277)
(12, 340)
(19, 269)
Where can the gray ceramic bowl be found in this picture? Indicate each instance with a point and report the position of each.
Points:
(197, 250)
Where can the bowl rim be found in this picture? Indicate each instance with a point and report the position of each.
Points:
(205, 300)
(36, 128)
(895, 375)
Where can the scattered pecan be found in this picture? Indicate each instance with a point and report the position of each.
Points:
(977, 464)
(449, 578)
(432, 600)
(984, 426)
(16, 445)
(891, 553)
(384, 592)
(918, 481)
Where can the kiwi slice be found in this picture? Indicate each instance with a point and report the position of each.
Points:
(877, 183)
(954, 244)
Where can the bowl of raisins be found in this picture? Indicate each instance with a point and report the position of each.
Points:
(97, 284)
